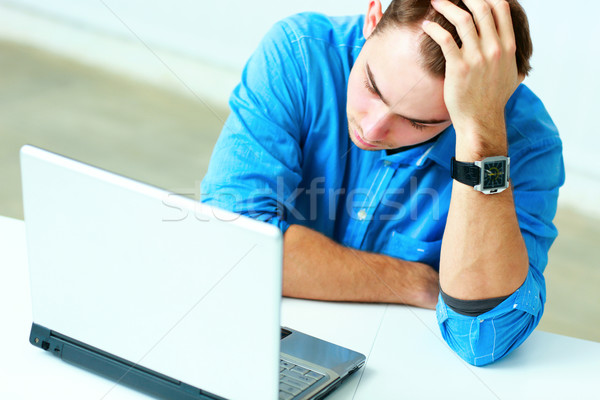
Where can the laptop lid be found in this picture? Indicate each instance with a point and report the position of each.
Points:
(157, 279)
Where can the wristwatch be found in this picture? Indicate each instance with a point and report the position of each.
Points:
(489, 176)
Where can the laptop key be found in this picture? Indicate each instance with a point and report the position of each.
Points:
(284, 387)
(292, 374)
(313, 374)
(294, 379)
(293, 382)
(285, 396)
(286, 364)
(300, 370)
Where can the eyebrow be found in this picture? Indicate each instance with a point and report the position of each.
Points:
(387, 103)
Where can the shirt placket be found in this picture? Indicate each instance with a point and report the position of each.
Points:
(363, 216)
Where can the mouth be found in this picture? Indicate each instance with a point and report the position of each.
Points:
(361, 141)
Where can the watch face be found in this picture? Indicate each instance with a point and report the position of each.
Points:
(494, 175)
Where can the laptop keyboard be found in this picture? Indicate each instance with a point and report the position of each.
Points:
(294, 379)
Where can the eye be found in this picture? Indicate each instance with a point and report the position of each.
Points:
(416, 126)
(369, 87)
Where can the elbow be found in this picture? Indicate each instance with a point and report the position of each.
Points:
(486, 338)
(481, 340)
(471, 341)
(476, 353)
(489, 337)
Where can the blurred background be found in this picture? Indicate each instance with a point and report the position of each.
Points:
(141, 88)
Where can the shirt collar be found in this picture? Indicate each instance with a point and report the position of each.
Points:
(441, 151)
(445, 148)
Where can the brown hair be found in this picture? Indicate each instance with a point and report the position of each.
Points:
(412, 12)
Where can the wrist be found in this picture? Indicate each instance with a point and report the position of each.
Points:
(426, 287)
(478, 140)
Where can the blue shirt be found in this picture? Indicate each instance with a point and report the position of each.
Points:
(285, 157)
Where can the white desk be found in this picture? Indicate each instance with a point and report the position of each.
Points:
(407, 357)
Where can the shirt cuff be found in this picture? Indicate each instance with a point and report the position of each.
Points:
(471, 308)
(525, 298)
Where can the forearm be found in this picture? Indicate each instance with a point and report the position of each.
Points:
(483, 252)
(316, 267)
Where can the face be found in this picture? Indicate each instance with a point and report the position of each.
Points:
(392, 101)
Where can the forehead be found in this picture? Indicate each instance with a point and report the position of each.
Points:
(393, 56)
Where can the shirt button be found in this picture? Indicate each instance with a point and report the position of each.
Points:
(387, 163)
(362, 214)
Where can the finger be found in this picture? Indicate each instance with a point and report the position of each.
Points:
(484, 19)
(462, 20)
(504, 24)
(443, 38)
(491, 4)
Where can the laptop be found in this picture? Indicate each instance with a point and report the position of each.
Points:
(162, 293)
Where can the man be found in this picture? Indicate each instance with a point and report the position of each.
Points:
(342, 133)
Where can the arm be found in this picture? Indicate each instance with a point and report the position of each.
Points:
(495, 245)
(316, 267)
(483, 251)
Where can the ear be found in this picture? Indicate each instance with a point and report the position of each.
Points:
(372, 17)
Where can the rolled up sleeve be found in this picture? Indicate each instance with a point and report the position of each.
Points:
(490, 336)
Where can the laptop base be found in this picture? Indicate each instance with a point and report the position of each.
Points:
(115, 368)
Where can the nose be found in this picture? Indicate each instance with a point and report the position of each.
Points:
(376, 125)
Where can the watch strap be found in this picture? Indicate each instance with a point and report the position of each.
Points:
(467, 173)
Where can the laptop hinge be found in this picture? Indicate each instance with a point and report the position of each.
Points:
(40, 336)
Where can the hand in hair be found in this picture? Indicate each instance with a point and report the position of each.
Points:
(480, 76)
